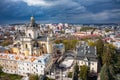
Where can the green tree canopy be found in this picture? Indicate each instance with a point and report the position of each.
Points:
(1, 68)
(87, 28)
(69, 44)
(100, 46)
(33, 77)
(83, 72)
(91, 43)
(109, 53)
(107, 72)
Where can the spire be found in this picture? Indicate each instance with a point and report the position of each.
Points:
(32, 20)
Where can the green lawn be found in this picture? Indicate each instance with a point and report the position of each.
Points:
(5, 76)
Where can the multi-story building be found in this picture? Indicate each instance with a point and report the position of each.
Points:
(32, 42)
(86, 55)
(22, 65)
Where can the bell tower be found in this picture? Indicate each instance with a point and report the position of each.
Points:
(33, 29)
(32, 21)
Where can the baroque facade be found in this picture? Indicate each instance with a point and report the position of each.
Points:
(32, 43)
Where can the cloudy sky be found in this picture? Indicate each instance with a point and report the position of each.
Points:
(55, 11)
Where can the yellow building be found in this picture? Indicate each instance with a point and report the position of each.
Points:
(32, 43)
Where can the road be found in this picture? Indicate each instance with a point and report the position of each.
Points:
(61, 73)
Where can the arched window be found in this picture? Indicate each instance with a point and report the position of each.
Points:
(36, 44)
(29, 35)
(26, 46)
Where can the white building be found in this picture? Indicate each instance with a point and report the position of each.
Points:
(21, 65)
(86, 55)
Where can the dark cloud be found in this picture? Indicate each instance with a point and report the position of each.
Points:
(71, 11)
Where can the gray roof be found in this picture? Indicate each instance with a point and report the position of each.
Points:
(85, 51)
(3, 48)
(42, 38)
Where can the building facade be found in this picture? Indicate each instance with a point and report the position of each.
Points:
(23, 65)
(32, 43)
(86, 55)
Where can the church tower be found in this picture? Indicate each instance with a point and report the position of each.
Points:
(48, 45)
(33, 30)
(32, 21)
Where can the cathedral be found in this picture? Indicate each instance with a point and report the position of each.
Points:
(32, 43)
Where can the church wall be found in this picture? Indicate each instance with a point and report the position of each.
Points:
(15, 50)
(26, 52)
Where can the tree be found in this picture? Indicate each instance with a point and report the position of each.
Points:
(107, 72)
(58, 41)
(108, 30)
(76, 72)
(47, 78)
(69, 44)
(76, 68)
(1, 69)
(99, 47)
(109, 53)
(91, 43)
(33, 77)
(118, 60)
(87, 28)
(83, 72)
(70, 74)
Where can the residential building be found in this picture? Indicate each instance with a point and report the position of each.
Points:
(86, 55)
(22, 65)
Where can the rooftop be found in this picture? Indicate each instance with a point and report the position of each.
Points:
(85, 51)
(43, 59)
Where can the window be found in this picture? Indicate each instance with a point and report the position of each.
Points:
(26, 46)
(81, 62)
(38, 34)
(92, 69)
(92, 63)
(36, 70)
(29, 35)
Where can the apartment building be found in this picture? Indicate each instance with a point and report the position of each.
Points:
(22, 65)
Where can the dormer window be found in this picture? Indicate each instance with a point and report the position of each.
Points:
(39, 61)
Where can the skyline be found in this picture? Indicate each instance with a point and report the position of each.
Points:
(60, 11)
